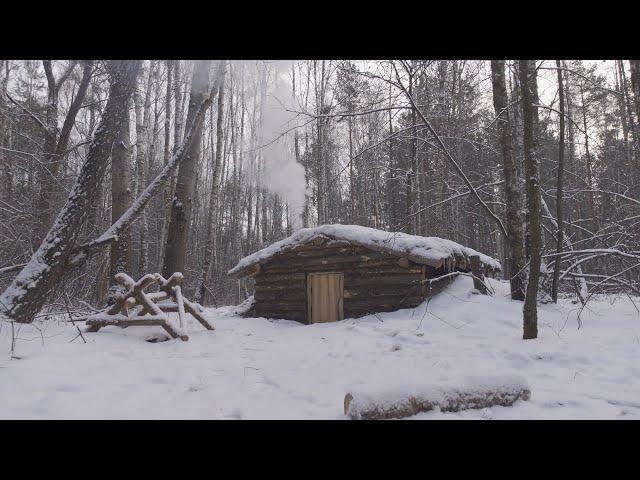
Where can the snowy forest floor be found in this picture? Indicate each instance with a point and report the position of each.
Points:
(254, 368)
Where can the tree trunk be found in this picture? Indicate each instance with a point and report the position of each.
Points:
(512, 192)
(590, 183)
(142, 138)
(210, 247)
(635, 85)
(168, 188)
(559, 186)
(530, 309)
(121, 197)
(176, 248)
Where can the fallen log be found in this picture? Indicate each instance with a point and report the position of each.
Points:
(468, 393)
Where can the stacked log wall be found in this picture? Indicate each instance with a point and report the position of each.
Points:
(373, 281)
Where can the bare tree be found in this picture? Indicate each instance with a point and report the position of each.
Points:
(559, 186)
(56, 140)
(635, 85)
(181, 204)
(210, 246)
(512, 193)
(527, 76)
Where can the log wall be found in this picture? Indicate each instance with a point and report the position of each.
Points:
(373, 281)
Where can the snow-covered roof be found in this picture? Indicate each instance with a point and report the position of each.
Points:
(432, 251)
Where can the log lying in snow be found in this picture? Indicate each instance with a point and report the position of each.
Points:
(471, 392)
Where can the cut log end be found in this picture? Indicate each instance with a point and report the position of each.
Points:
(347, 402)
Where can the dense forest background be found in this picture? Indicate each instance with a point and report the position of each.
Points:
(427, 147)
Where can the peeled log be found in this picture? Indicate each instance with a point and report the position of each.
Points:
(452, 397)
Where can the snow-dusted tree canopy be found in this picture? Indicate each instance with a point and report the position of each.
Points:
(431, 148)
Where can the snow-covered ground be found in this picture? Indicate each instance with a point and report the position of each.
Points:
(254, 368)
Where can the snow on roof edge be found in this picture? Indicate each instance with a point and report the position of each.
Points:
(428, 250)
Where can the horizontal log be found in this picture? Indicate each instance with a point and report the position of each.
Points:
(272, 287)
(270, 269)
(322, 243)
(372, 311)
(290, 295)
(382, 270)
(279, 278)
(323, 251)
(408, 401)
(295, 274)
(273, 306)
(323, 260)
(379, 263)
(400, 280)
(372, 292)
(121, 321)
(297, 316)
(306, 269)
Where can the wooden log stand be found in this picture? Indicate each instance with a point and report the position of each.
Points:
(136, 307)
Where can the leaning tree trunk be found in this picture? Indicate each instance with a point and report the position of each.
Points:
(512, 193)
(28, 292)
(176, 248)
(530, 309)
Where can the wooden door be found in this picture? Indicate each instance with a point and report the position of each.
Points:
(325, 297)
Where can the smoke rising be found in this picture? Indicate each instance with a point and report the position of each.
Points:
(282, 174)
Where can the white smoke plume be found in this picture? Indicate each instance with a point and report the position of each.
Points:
(282, 174)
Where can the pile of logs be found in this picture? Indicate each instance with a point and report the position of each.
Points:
(138, 308)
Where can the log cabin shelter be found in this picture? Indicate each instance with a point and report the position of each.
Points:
(332, 272)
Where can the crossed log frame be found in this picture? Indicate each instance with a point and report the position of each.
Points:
(136, 307)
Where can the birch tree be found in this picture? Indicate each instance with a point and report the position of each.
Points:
(176, 248)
